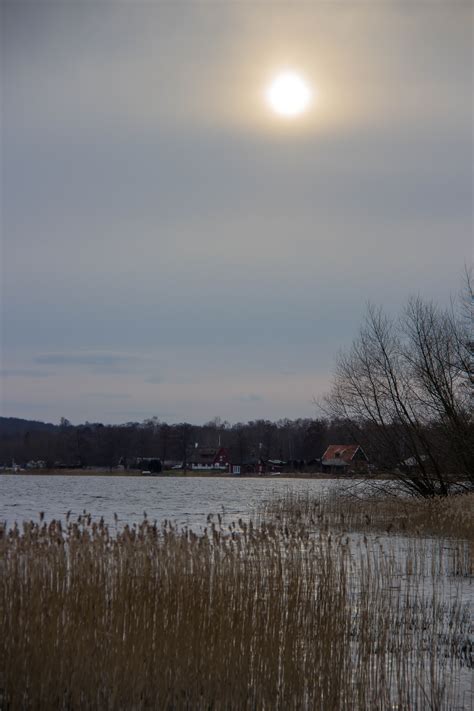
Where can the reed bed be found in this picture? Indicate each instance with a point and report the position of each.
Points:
(267, 616)
(381, 511)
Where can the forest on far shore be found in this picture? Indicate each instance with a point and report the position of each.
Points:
(98, 445)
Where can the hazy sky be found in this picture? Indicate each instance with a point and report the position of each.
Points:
(172, 248)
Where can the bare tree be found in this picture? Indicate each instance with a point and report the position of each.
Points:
(404, 386)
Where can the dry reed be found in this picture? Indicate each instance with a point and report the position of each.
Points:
(245, 617)
(451, 516)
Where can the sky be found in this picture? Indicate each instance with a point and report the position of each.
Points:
(171, 247)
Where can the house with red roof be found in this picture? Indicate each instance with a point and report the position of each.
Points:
(344, 459)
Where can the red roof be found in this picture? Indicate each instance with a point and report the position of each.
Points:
(210, 456)
(341, 452)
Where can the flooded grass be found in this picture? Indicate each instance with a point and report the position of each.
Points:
(288, 613)
(451, 516)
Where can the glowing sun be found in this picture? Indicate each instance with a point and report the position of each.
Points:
(289, 95)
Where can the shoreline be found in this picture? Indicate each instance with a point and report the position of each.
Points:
(170, 474)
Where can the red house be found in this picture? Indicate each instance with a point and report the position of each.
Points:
(342, 458)
(208, 459)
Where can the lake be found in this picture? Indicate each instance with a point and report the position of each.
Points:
(188, 501)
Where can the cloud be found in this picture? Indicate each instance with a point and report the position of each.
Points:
(24, 408)
(155, 379)
(85, 66)
(109, 396)
(250, 397)
(24, 373)
(94, 360)
(151, 205)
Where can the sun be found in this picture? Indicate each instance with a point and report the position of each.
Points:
(289, 95)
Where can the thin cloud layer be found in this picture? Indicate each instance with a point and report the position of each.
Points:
(96, 360)
(165, 238)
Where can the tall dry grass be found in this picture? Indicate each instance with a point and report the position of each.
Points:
(451, 516)
(246, 617)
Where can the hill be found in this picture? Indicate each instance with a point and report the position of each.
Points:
(11, 426)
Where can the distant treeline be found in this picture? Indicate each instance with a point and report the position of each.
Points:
(299, 442)
(95, 444)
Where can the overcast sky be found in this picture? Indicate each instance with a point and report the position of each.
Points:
(170, 247)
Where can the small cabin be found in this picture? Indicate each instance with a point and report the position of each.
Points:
(344, 458)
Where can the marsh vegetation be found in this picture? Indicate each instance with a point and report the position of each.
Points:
(294, 611)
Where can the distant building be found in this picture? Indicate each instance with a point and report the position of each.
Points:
(208, 459)
(149, 464)
(413, 462)
(248, 465)
(275, 465)
(32, 464)
(342, 458)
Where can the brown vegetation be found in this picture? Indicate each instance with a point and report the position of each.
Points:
(381, 513)
(273, 616)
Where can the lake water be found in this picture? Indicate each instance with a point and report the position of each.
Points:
(184, 500)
